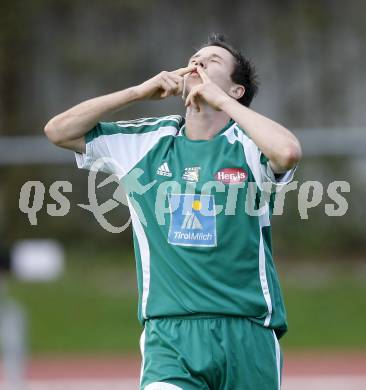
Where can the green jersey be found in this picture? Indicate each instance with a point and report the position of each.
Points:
(201, 222)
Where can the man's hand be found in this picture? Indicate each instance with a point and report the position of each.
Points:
(164, 84)
(207, 91)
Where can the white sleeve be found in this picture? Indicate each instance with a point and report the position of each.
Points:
(116, 147)
(95, 149)
(103, 151)
(259, 165)
(269, 176)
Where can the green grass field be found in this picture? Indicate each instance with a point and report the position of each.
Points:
(93, 307)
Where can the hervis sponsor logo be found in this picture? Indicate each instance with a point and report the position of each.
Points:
(231, 175)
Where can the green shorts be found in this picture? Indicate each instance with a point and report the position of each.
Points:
(209, 352)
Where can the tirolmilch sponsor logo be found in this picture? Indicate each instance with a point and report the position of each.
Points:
(231, 175)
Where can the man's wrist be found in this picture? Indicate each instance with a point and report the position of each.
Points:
(136, 93)
(226, 103)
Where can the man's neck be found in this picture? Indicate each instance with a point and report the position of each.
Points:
(204, 124)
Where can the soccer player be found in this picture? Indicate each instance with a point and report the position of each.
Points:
(209, 295)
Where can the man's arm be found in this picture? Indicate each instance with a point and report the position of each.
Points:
(67, 129)
(277, 143)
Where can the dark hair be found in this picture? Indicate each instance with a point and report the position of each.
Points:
(244, 72)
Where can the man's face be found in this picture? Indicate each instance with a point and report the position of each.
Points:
(217, 62)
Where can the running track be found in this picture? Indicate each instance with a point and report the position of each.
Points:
(315, 371)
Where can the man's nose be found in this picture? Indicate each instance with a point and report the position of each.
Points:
(200, 62)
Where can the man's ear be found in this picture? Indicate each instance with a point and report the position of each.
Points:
(237, 91)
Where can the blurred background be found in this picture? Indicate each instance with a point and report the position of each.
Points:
(81, 307)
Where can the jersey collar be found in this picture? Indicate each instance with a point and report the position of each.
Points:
(220, 132)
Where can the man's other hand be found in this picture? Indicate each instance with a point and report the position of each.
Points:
(164, 84)
(207, 91)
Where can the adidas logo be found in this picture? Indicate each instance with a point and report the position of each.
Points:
(191, 222)
(164, 170)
